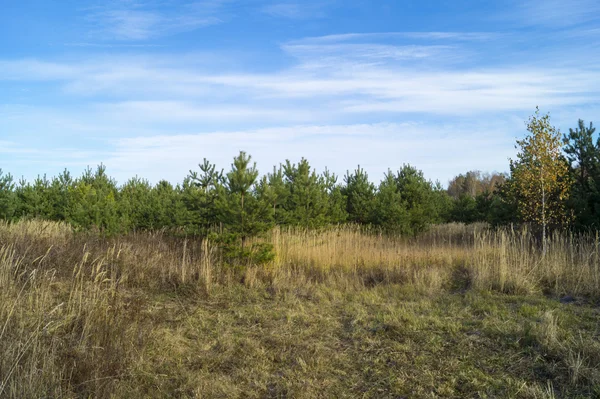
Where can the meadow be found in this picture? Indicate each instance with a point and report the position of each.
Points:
(461, 311)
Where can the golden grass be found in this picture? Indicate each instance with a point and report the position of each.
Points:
(341, 312)
(507, 261)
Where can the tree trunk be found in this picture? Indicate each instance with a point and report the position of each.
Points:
(243, 230)
(543, 213)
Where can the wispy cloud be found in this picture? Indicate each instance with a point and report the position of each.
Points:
(142, 20)
(557, 13)
(297, 10)
(375, 36)
(332, 78)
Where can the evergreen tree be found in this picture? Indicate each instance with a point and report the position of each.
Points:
(584, 159)
(59, 196)
(465, 209)
(8, 200)
(95, 202)
(420, 198)
(200, 194)
(33, 199)
(390, 209)
(170, 209)
(136, 206)
(277, 194)
(241, 211)
(306, 203)
(360, 196)
(337, 202)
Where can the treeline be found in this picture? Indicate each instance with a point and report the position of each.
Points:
(237, 201)
(243, 203)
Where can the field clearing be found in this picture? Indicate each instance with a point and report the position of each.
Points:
(344, 312)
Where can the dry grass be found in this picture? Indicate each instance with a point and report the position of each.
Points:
(505, 261)
(458, 312)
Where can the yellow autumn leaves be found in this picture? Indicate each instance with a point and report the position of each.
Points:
(540, 179)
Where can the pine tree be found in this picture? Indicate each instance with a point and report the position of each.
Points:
(95, 202)
(420, 198)
(200, 194)
(390, 209)
(59, 196)
(584, 159)
(136, 206)
(241, 211)
(306, 204)
(8, 200)
(337, 201)
(360, 194)
(277, 194)
(170, 209)
(581, 152)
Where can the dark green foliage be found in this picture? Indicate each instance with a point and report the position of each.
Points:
(170, 211)
(59, 196)
(95, 202)
(239, 257)
(421, 198)
(136, 205)
(238, 204)
(306, 203)
(584, 158)
(8, 200)
(465, 210)
(33, 199)
(240, 208)
(390, 209)
(360, 195)
(337, 202)
(273, 190)
(477, 197)
(200, 193)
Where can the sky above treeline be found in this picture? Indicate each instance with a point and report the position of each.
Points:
(151, 87)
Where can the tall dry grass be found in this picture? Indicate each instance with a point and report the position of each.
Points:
(71, 322)
(450, 256)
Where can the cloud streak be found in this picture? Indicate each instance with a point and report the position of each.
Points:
(557, 13)
(143, 20)
(297, 10)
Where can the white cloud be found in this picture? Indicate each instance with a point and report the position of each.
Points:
(297, 10)
(332, 77)
(178, 112)
(373, 36)
(142, 20)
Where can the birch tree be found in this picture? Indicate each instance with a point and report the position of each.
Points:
(540, 176)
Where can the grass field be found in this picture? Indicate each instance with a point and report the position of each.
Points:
(460, 312)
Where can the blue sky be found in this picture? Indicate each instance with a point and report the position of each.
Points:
(150, 87)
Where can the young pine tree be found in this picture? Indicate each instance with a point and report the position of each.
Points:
(307, 202)
(390, 209)
(360, 195)
(8, 199)
(242, 212)
(584, 160)
(200, 194)
(421, 198)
